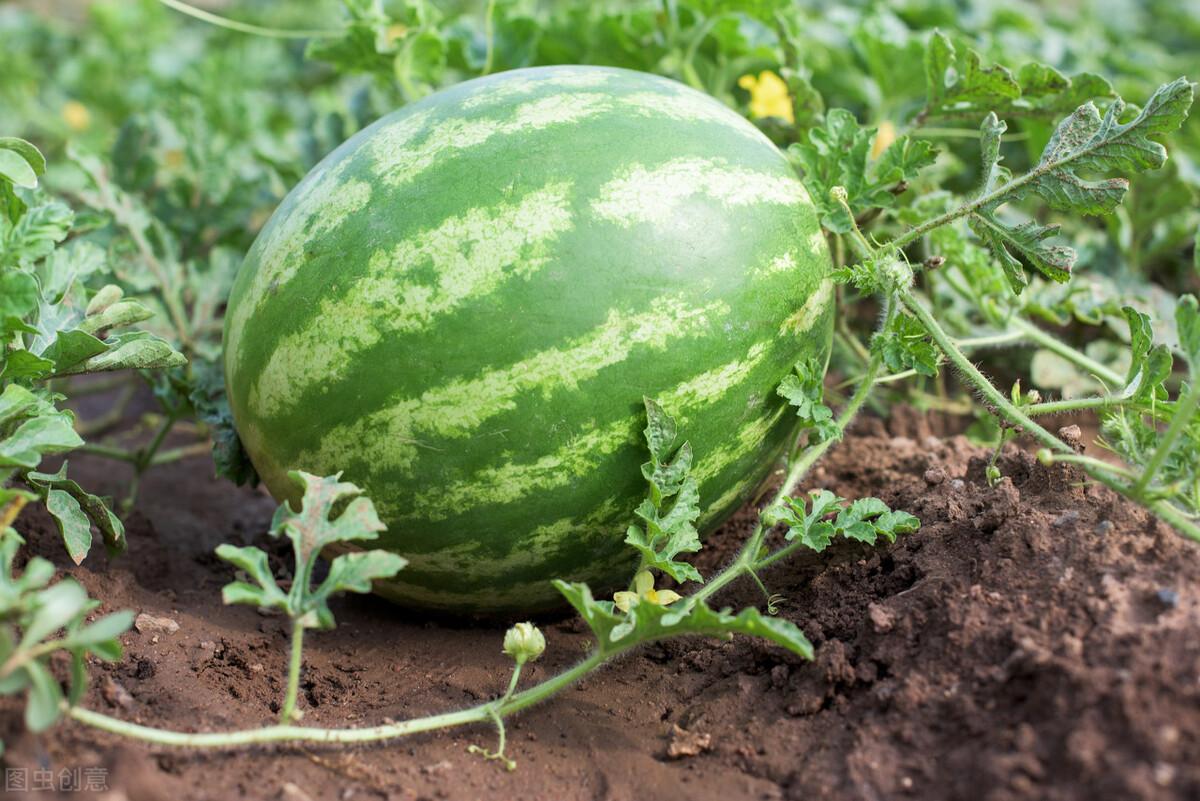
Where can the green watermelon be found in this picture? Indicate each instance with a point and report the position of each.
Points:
(463, 305)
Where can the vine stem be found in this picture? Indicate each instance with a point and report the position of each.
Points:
(1012, 413)
(748, 560)
(245, 27)
(1048, 342)
(284, 733)
(288, 712)
(489, 32)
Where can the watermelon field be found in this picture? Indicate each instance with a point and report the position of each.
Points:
(629, 399)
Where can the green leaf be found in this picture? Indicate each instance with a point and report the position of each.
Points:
(70, 349)
(660, 431)
(16, 169)
(102, 633)
(957, 80)
(18, 293)
(672, 505)
(839, 154)
(34, 163)
(50, 432)
(45, 698)
(645, 622)
(804, 389)
(1149, 365)
(354, 572)
(83, 511)
(1028, 239)
(904, 345)
(864, 520)
(121, 313)
(35, 234)
(134, 350)
(254, 562)
(55, 607)
(73, 525)
(21, 364)
(1187, 323)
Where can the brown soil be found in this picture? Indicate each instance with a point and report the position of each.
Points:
(1038, 639)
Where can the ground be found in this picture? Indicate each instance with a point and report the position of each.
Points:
(1037, 639)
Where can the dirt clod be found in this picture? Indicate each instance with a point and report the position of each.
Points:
(150, 624)
(687, 743)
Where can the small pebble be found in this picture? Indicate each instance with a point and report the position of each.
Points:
(146, 622)
(1167, 597)
(957, 485)
(1072, 435)
(1066, 518)
(935, 475)
(1104, 526)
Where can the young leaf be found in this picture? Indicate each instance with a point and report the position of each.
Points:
(310, 530)
(904, 345)
(804, 389)
(254, 561)
(865, 520)
(673, 503)
(839, 154)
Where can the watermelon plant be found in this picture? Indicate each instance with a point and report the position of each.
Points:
(463, 306)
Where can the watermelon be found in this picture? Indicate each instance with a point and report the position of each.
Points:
(463, 306)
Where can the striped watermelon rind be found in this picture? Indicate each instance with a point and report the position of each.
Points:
(463, 305)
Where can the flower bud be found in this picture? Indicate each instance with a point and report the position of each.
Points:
(524, 642)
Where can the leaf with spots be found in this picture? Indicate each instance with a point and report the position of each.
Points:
(332, 512)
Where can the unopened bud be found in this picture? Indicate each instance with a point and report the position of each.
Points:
(524, 642)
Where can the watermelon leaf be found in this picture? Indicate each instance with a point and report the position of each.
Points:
(331, 513)
(804, 389)
(672, 506)
(826, 516)
(644, 622)
(841, 154)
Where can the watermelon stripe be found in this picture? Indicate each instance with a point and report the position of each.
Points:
(493, 93)
(511, 482)
(458, 409)
(471, 256)
(653, 195)
(283, 240)
(813, 310)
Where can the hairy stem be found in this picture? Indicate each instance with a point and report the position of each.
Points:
(288, 711)
(1009, 411)
(1069, 353)
(1184, 412)
(283, 733)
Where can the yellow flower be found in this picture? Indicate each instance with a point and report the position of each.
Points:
(395, 32)
(883, 137)
(768, 96)
(643, 583)
(76, 115)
